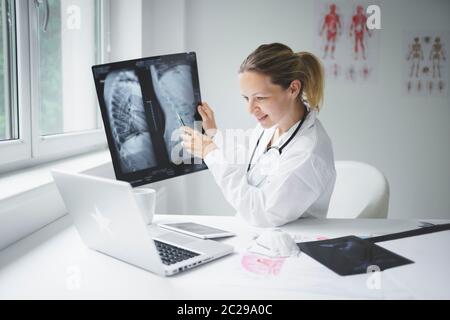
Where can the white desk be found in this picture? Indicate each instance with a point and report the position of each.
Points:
(53, 263)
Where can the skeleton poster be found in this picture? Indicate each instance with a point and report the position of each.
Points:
(425, 67)
(348, 48)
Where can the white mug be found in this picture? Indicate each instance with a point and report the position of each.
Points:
(146, 201)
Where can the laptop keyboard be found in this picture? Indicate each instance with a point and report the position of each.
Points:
(171, 254)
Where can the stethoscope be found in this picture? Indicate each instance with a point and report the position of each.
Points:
(277, 151)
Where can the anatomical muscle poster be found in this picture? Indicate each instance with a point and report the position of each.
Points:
(347, 46)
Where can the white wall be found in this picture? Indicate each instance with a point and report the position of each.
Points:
(79, 113)
(406, 137)
(126, 29)
(163, 27)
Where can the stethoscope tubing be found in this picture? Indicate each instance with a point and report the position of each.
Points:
(279, 149)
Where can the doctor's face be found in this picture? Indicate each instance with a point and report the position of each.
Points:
(267, 102)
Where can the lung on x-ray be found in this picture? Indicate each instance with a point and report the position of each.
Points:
(143, 103)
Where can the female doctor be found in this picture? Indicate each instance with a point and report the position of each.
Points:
(290, 172)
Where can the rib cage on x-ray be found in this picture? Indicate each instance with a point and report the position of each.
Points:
(174, 89)
(123, 97)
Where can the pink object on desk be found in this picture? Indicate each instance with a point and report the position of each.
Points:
(261, 265)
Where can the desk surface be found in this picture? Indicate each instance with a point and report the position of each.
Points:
(53, 263)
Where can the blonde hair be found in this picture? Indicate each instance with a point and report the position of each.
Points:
(283, 66)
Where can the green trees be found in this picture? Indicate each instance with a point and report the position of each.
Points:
(50, 74)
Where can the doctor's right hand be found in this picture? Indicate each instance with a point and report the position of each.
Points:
(209, 122)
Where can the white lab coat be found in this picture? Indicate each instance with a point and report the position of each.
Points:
(301, 186)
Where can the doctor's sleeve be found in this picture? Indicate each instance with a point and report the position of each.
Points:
(284, 199)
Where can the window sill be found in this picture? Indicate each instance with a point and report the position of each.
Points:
(26, 180)
(29, 199)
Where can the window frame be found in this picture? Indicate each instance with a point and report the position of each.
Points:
(20, 148)
(31, 148)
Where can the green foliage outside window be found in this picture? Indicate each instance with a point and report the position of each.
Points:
(50, 77)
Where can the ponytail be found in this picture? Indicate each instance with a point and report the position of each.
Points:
(313, 78)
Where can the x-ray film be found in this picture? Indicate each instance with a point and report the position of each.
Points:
(144, 102)
(351, 255)
(126, 116)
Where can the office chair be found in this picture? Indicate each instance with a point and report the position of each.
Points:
(361, 191)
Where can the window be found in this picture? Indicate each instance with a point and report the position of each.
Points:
(67, 41)
(48, 106)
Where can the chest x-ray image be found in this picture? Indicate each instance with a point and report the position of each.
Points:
(144, 102)
(174, 91)
(127, 119)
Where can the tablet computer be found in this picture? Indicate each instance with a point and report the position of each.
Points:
(196, 230)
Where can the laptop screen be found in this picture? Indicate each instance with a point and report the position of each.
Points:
(143, 104)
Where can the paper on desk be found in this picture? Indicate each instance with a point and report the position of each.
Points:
(250, 274)
(428, 277)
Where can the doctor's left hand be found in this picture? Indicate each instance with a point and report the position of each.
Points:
(196, 143)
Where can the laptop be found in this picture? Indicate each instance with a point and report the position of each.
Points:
(108, 220)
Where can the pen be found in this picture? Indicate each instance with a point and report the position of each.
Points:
(181, 120)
